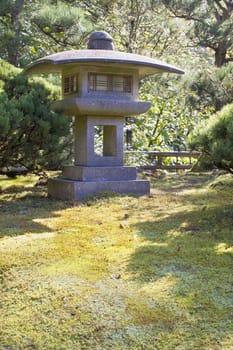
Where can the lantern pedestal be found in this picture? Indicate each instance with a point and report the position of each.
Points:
(75, 190)
(83, 173)
(93, 172)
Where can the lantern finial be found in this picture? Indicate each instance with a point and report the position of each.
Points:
(100, 41)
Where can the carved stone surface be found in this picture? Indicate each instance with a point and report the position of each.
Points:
(101, 106)
(145, 65)
(82, 173)
(75, 190)
(85, 154)
(100, 41)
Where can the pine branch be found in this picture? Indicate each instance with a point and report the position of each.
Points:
(219, 4)
(57, 41)
(187, 16)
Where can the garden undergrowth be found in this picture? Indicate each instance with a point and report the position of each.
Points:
(118, 272)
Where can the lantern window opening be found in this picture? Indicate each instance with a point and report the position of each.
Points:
(70, 84)
(98, 140)
(105, 140)
(110, 82)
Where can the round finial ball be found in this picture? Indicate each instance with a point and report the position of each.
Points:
(100, 41)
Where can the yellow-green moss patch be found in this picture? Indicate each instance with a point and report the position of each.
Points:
(120, 272)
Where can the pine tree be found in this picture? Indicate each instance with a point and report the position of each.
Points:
(32, 29)
(31, 135)
(210, 88)
(216, 139)
(211, 24)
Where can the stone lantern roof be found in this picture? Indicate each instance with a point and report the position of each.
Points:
(101, 52)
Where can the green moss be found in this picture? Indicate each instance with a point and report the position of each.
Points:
(16, 184)
(154, 273)
(143, 314)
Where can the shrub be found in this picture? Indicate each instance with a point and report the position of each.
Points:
(216, 138)
(31, 134)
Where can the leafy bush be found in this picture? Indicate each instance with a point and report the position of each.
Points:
(167, 123)
(216, 138)
(31, 134)
(210, 88)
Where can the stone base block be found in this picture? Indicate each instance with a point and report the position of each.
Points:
(82, 173)
(75, 190)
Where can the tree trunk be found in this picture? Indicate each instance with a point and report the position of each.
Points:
(222, 14)
(13, 53)
(220, 54)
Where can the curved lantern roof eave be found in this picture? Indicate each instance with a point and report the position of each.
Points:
(56, 63)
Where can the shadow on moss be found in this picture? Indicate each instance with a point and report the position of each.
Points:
(193, 249)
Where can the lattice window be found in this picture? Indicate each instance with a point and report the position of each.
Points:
(110, 82)
(70, 84)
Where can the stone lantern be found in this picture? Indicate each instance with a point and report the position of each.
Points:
(99, 88)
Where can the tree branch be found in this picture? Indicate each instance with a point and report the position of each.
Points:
(218, 2)
(57, 41)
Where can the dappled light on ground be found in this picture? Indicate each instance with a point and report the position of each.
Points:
(118, 272)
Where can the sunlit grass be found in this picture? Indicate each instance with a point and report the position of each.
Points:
(7, 182)
(119, 272)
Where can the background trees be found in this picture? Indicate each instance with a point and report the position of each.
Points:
(62, 25)
(11, 26)
(211, 88)
(169, 121)
(136, 25)
(32, 29)
(210, 24)
(197, 36)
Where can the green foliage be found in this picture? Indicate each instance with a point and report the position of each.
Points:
(62, 23)
(31, 135)
(10, 30)
(216, 138)
(211, 24)
(31, 29)
(169, 120)
(129, 22)
(210, 88)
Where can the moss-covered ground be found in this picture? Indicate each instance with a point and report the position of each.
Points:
(118, 272)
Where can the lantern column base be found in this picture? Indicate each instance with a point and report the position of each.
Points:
(67, 189)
